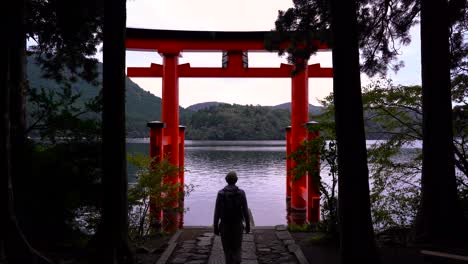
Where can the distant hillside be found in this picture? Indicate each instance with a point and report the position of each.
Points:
(313, 110)
(208, 120)
(237, 122)
(204, 105)
(232, 122)
(141, 106)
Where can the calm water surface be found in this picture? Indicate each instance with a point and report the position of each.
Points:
(260, 166)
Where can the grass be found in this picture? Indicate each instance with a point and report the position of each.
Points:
(299, 228)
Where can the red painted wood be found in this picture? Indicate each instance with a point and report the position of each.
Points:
(299, 116)
(170, 105)
(156, 152)
(173, 46)
(185, 70)
(288, 163)
(170, 116)
(313, 198)
(156, 143)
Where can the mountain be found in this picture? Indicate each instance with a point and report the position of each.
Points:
(237, 122)
(141, 106)
(208, 120)
(313, 110)
(200, 106)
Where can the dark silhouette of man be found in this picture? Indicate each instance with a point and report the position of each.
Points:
(230, 211)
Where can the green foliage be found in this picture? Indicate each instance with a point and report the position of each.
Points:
(317, 234)
(302, 26)
(57, 115)
(307, 160)
(64, 179)
(329, 209)
(321, 238)
(396, 165)
(299, 228)
(313, 157)
(60, 190)
(394, 115)
(234, 122)
(383, 26)
(83, 101)
(153, 189)
(67, 36)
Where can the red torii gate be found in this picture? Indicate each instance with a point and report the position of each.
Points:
(167, 137)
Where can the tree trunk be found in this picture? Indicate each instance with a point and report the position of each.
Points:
(5, 151)
(357, 243)
(439, 217)
(14, 247)
(115, 248)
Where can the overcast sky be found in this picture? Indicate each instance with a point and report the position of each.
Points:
(239, 15)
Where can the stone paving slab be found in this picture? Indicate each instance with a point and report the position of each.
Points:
(281, 228)
(248, 251)
(172, 244)
(248, 237)
(271, 249)
(273, 245)
(283, 235)
(249, 261)
(217, 253)
(193, 251)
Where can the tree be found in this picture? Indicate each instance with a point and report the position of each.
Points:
(393, 115)
(114, 226)
(439, 218)
(14, 247)
(236, 122)
(395, 112)
(356, 232)
(147, 195)
(382, 27)
(67, 35)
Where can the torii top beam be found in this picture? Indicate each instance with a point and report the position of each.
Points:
(176, 41)
(173, 41)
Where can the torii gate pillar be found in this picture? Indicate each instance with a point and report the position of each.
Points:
(170, 105)
(299, 117)
(170, 116)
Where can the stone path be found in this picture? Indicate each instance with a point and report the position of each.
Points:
(272, 247)
(266, 245)
(193, 251)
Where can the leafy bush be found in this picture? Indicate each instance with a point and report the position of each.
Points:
(313, 157)
(153, 191)
(299, 228)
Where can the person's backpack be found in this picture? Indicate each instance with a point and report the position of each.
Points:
(232, 209)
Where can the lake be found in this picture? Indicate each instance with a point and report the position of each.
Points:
(260, 166)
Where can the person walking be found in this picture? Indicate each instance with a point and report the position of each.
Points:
(231, 211)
